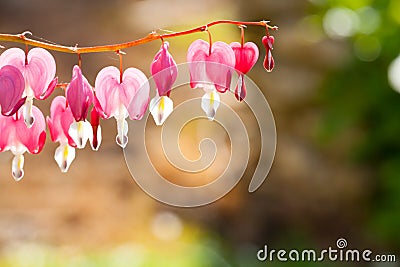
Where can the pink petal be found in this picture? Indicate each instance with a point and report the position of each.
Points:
(136, 83)
(32, 138)
(60, 120)
(79, 94)
(12, 87)
(50, 89)
(245, 56)
(13, 56)
(134, 78)
(221, 73)
(107, 90)
(40, 71)
(4, 132)
(196, 56)
(140, 102)
(164, 70)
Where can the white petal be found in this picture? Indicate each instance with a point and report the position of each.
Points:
(27, 112)
(210, 103)
(64, 156)
(80, 132)
(161, 108)
(18, 167)
(122, 135)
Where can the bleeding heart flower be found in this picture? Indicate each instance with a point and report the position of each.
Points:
(210, 65)
(59, 123)
(164, 71)
(12, 87)
(246, 56)
(15, 136)
(269, 62)
(119, 96)
(79, 96)
(210, 69)
(38, 68)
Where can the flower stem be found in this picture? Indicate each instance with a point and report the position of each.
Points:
(22, 38)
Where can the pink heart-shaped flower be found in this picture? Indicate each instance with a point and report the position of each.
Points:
(211, 66)
(246, 56)
(38, 69)
(111, 93)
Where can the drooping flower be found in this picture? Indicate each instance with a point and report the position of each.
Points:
(269, 62)
(210, 69)
(121, 96)
(95, 122)
(164, 72)
(59, 123)
(213, 65)
(246, 57)
(12, 87)
(79, 96)
(18, 138)
(38, 68)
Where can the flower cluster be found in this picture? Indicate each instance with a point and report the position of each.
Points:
(28, 75)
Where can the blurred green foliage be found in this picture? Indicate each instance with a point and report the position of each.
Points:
(358, 101)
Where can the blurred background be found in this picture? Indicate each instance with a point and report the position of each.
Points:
(336, 174)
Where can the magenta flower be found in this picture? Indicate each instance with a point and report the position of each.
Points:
(119, 96)
(79, 96)
(59, 123)
(246, 57)
(269, 62)
(18, 138)
(164, 71)
(219, 72)
(38, 68)
(12, 87)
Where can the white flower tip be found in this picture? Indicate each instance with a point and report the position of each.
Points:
(211, 114)
(122, 135)
(29, 121)
(64, 156)
(80, 132)
(210, 103)
(18, 167)
(27, 112)
(161, 108)
(122, 141)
